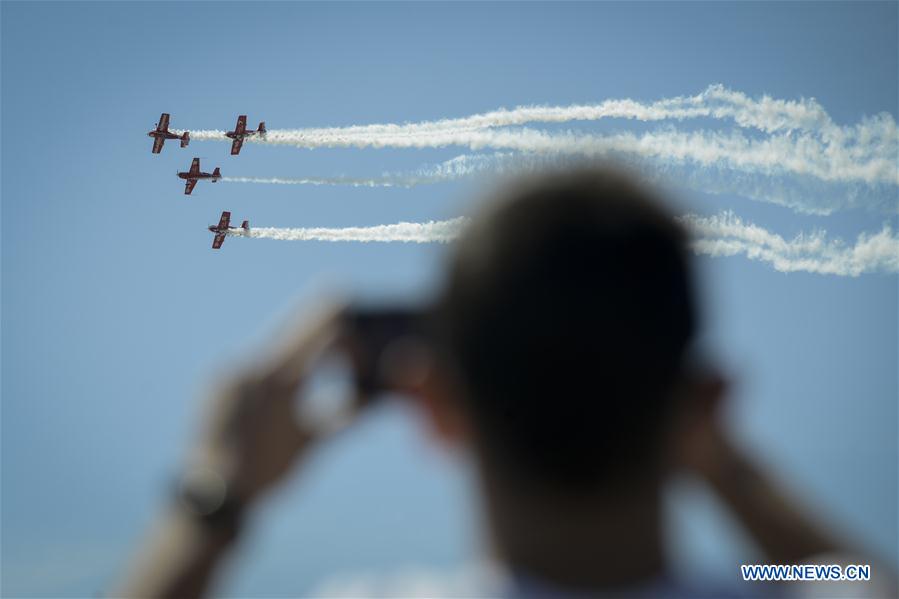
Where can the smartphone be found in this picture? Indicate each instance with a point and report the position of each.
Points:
(378, 339)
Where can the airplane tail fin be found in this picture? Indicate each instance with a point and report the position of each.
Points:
(185, 139)
(245, 225)
(216, 174)
(262, 127)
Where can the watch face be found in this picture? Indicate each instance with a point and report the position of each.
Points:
(202, 491)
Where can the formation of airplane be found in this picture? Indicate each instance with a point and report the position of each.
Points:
(162, 133)
(195, 174)
(240, 133)
(221, 230)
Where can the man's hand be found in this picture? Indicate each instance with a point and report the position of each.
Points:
(784, 528)
(252, 436)
(250, 440)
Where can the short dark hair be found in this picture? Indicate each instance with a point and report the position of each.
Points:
(567, 312)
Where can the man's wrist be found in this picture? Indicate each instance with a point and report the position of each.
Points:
(206, 499)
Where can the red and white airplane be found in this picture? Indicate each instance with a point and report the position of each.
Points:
(162, 133)
(240, 132)
(221, 230)
(194, 174)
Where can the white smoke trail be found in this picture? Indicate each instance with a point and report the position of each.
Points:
(351, 181)
(766, 114)
(801, 154)
(455, 168)
(720, 235)
(801, 137)
(428, 232)
(423, 176)
(804, 194)
(800, 193)
(727, 235)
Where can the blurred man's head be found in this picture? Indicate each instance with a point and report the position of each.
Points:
(567, 315)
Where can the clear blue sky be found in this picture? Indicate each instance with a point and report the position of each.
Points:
(116, 314)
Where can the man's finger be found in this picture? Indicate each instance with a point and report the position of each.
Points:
(302, 342)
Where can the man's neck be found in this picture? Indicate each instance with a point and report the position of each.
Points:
(606, 541)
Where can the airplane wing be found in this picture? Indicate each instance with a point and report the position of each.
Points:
(218, 241)
(195, 167)
(157, 144)
(189, 186)
(236, 145)
(241, 124)
(225, 220)
(163, 122)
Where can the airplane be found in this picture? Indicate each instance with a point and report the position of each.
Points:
(193, 175)
(221, 230)
(240, 132)
(162, 133)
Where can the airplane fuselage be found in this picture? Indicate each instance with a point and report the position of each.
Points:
(189, 177)
(226, 230)
(163, 134)
(236, 135)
